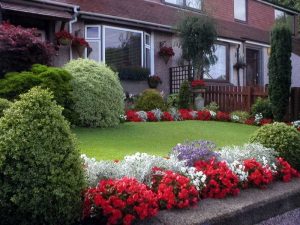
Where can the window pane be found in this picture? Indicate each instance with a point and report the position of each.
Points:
(122, 48)
(147, 39)
(279, 14)
(240, 10)
(218, 70)
(147, 58)
(196, 4)
(92, 32)
(94, 54)
(177, 2)
(291, 21)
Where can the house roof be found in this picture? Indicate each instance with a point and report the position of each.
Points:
(158, 16)
(34, 9)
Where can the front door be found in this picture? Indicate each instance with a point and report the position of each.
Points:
(252, 76)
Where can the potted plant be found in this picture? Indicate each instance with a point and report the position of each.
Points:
(166, 53)
(80, 44)
(64, 38)
(198, 86)
(154, 81)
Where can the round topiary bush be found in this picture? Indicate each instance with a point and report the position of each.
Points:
(4, 104)
(41, 174)
(281, 137)
(150, 99)
(98, 94)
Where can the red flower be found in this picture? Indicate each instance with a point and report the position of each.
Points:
(173, 190)
(120, 201)
(167, 117)
(132, 116)
(63, 35)
(221, 181)
(204, 115)
(265, 121)
(250, 121)
(222, 116)
(259, 176)
(166, 51)
(151, 117)
(185, 114)
(198, 83)
(285, 171)
(77, 41)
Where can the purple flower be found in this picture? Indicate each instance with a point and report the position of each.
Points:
(194, 151)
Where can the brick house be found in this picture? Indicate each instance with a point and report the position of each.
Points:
(243, 29)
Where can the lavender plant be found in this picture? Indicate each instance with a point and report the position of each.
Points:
(190, 152)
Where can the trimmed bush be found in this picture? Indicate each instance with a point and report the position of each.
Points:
(262, 106)
(4, 104)
(281, 137)
(21, 48)
(150, 99)
(184, 96)
(98, 94)
(280, 69)
(41, 174)
(56, 79)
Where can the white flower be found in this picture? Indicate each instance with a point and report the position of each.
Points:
(258, 118)
(198, 178)
(213, 114)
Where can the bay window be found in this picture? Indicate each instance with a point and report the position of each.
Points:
(218, 71)
(119, 48)
(240, 10)
(194, 4)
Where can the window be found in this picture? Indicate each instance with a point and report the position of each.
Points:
(122, 47)
(288, 17)
(218, 71)
(147, 57)
(93, 37)
(195, 4)
(240, 10)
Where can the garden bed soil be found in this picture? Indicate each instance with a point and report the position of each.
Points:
(251, 206)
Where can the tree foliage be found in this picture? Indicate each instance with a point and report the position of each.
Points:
(20, 48)
(198, 35)
(41, 174)
(280, 69)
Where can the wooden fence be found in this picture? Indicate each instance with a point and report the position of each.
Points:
(232, 98)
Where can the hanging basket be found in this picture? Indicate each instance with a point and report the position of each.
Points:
(80, 50)
(64, 41)
(153, 84)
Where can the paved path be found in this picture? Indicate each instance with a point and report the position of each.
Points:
(289, 218)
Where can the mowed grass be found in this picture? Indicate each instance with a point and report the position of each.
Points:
(157, 138)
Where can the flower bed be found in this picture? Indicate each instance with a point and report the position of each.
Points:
(136, 187)
(203, 115)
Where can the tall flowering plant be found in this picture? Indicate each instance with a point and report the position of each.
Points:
(173, 190)
(119, 201)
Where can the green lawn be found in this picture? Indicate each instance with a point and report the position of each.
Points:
(157, 138)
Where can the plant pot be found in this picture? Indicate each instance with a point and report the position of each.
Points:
(152, 84)
(198, 90)
(166, 58)
(65, 41)
(80, 50)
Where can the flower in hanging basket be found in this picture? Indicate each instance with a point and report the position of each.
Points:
(78, 41)
(64, 37)
(166, 52)
(154, 81)
(240, 64)
(198, 84)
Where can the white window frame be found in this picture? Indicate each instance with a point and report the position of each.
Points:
(147, 46)
(246, 13)
(123, 29)
(94, 40)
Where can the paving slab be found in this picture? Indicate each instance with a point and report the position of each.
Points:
(250, 207)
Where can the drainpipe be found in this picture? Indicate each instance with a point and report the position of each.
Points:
(74, 20)
(238, 69)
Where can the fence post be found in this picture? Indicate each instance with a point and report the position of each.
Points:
(249, 95)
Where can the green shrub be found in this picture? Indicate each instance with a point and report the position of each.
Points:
(184, 96)
(283, 138)
(4, 104)
(243, 116)
(172, 101)
(133, 73)
(213, 106)
(150, 99)
(262, 106)
(41, 175)
(280, 69)
(56, 79)
(98, 94)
